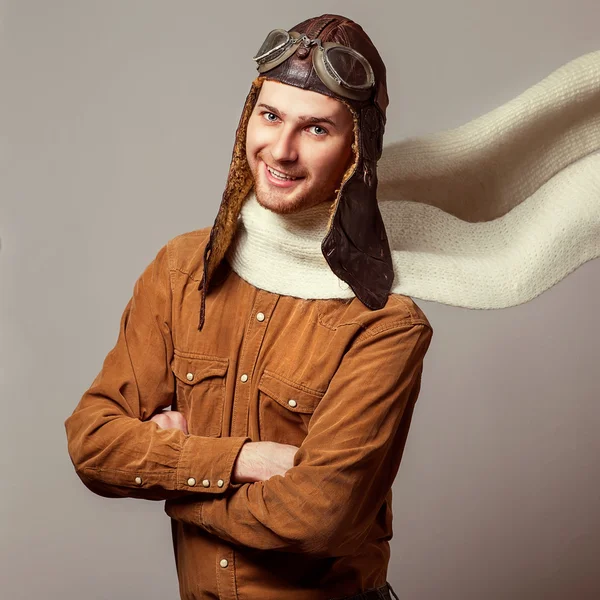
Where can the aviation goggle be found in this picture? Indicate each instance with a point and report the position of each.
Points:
(342, 69)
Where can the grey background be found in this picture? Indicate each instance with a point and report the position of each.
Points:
(117, 121)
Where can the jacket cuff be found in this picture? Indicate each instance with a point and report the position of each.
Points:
(206, 463)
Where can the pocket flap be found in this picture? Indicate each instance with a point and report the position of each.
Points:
(293, 396)
(192, 369)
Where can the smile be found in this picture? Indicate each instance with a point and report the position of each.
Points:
(281, 175)
(281, 180)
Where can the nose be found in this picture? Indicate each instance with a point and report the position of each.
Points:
(284, 146)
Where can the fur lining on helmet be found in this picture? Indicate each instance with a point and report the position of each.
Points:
(239, 184)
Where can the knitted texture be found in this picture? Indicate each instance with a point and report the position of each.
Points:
(488, 215)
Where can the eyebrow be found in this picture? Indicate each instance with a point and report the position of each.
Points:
(303, 119)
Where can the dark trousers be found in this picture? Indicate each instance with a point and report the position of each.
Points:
(383, 593)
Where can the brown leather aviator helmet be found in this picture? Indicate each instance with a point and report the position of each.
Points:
(356, 245)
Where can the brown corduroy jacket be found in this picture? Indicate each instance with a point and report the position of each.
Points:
(330, 376)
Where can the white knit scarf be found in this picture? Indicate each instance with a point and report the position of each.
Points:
(488, 215)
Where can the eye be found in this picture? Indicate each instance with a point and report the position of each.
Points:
(319, 131)
(271, 117)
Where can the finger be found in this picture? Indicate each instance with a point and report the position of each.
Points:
(177, 421)
(160, 420)
(184, 426)
(180, 422)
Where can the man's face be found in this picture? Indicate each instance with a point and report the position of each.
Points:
(300, 134)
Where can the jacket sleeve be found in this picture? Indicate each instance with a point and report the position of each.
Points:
(327, 502)
(115, 450)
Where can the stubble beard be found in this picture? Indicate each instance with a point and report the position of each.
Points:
(283, 203)
(279, 204)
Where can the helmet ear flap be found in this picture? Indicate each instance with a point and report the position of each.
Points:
(239, 183)
(357, 249)
(356, 246)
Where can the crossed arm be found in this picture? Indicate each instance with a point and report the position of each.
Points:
(257, 461)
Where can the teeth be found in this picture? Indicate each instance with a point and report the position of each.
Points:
(280, 175)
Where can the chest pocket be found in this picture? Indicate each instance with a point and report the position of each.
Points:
(200, 392)
(285, 409)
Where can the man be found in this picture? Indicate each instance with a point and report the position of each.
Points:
(289, 415)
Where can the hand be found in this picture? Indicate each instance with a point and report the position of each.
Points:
(171, 419)
(259, 461)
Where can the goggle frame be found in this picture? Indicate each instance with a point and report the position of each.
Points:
(323, 66)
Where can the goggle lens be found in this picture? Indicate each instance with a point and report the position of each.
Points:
(348, 68)
(276, 43)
